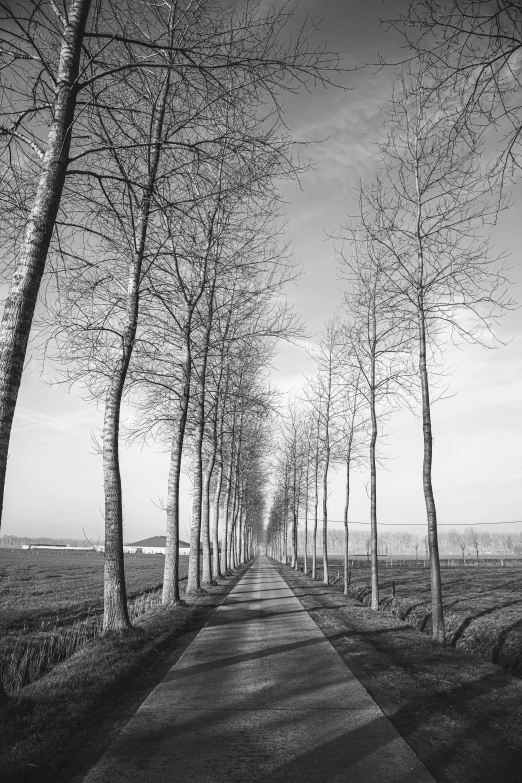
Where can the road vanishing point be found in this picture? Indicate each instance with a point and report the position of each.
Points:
(260, 696)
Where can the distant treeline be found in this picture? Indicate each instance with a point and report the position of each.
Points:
(451, 541)
(17, 542)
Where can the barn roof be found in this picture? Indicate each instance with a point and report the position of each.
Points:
(156, 541)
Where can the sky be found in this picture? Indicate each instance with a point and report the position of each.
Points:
(54, 481)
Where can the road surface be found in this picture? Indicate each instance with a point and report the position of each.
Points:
(260, 696)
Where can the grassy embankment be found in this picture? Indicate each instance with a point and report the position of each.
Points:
(48, 720)
(51, 605)
(483, 605)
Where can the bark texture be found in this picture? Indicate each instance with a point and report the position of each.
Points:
(194, 576)
(216, 570)
(306, 515)
(346, 508)
(225, 559)
(437, 611)
(170, 595)
(373, 504)
(316, 507)
(171, 572)
(206, 575)
(115, 612)
(23, 292)
(325, 517)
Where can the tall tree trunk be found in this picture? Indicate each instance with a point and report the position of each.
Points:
(285, 538)
(233, 529)
(246, 537)
(206, 576)
(225, 559)
(115, 613)
(237, 519)
(231, 552)
(218, 450)
(243, 532)
(194, 578)
(325, 516)
(437, 611)
(346, 507)
(316, 507)
(171, 594)
(373, 502)
(294, 520)
(325, 474)
(194, 568)
(240, 531)
(306, 516)
(21, 300)
(297, 506)
(295, 563)
(285, 518)
(216, 571)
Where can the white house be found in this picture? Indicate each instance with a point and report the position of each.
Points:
(153, 546)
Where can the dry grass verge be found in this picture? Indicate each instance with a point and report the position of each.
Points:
(69, 716)
(461, 715)
(51, 604)
(25, 658)
(482, 606)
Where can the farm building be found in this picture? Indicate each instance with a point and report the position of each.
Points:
(153, 546)
(64, 547)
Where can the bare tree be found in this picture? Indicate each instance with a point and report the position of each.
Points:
(316, 457)
(324, 393)
(136, 170)
(472, 48)
(424, 211)
(308, 461)
(60, 62)
(474, 540)
(293, 455)
(103, 300)
(377, 344)
(354, 429)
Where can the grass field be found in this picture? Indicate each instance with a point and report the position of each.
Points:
(41, 589)
(483, 605)
(51, 604)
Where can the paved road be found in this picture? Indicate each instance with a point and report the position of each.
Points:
(260, 696)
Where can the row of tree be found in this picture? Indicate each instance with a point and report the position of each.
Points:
(141, 148)
(419, 269)
(466, 541)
